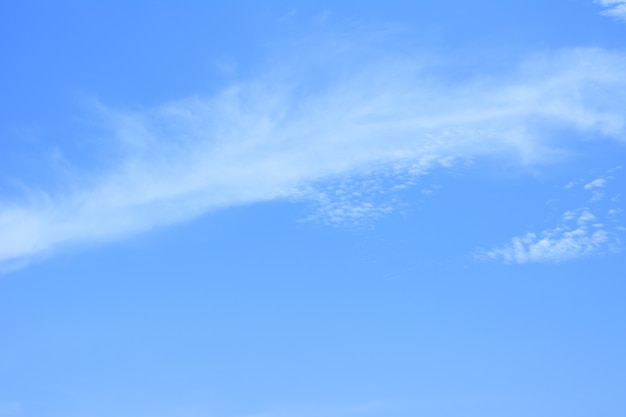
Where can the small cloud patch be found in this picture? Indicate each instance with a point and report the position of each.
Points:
(574, 238)
(614, 8)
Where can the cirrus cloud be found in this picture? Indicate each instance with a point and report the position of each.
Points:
(291, 134)
(614, 8)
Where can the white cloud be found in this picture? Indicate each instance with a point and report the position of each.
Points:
(579, 233)
(585, 218)
(614, 8)
(597, 183)
(595, 187)
(574, 238)
(291, 132)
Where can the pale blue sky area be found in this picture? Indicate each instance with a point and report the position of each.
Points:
(361, 209)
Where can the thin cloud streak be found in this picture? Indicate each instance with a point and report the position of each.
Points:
(614, 8)
(580, 233)
(574, 238)
(597, 183)
(287, 134)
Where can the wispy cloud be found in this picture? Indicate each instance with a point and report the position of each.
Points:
(596, 187)
(597, 183)
(297, 133)
(614, 8)
(574, 238)
(580, 233)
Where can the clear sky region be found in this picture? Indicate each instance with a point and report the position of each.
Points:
(313, 209)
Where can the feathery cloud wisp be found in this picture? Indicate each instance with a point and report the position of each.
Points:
(597, 183)
(614, 8)
(579, 233)
(287, 133)
(573, 239)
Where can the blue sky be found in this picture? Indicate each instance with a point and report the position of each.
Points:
(312, 209)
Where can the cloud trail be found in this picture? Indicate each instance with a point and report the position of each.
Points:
(574, 238)
(290, 132)
(580, 233)
(614, 8)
